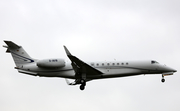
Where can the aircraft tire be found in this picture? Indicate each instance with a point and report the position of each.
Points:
(82, 87)
(162, 80)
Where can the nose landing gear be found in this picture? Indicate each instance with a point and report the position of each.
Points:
(162, 80)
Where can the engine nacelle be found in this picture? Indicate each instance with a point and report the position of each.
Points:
(51, 63)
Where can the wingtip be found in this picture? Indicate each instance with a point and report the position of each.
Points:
(67, 51)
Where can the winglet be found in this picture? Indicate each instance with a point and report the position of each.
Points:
(67, 51)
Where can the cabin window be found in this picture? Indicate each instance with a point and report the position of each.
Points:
(122, 63)
(108, 64)
(92, 64)
(117, 63)
(102, 64)
(126, 63)
(113, 64)
(97, 64)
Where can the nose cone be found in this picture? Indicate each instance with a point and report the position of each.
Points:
(174, 70)
(171, 69)
(166, 69)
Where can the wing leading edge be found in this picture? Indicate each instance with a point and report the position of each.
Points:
(81, 67)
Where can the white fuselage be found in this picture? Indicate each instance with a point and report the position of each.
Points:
(109, 69)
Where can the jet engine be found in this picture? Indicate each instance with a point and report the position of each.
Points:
(51, 63)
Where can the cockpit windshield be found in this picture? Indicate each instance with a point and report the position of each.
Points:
(154, 62)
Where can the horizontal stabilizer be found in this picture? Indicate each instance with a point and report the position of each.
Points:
(7, 51)
(5, 46)
(12, 45)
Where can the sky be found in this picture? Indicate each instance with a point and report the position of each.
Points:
(96, 30)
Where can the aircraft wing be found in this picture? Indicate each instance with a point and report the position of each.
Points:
(81, 67)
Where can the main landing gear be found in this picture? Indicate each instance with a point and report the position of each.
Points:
(162, 80)
(83, 84)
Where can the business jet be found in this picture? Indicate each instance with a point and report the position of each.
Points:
(81, 71)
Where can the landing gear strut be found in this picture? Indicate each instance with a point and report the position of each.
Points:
(83, 84)
(162, 80)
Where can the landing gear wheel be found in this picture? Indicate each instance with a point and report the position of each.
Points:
(82, 87)
(83, 84)
(163, 80)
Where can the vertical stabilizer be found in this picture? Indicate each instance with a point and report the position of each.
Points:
(19, 55)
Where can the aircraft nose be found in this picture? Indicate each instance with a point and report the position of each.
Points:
(167, 69)
(172, 70)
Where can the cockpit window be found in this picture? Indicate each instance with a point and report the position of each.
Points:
(154, 62)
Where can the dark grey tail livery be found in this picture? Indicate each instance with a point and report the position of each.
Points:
(19, 55)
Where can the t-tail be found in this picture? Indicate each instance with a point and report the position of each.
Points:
(19, 55)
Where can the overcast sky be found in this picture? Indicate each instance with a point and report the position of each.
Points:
(93, 30)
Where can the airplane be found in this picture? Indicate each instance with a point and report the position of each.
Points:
(81, 71)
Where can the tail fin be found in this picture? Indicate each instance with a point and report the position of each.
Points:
(19, 55)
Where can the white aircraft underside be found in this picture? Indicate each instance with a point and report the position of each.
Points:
(80, 71)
